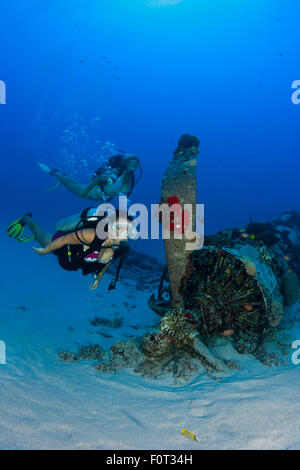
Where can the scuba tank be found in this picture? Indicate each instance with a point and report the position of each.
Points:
(88, 219)
(69, 224)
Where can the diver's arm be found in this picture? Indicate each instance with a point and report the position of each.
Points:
(105, 257)
(91, 185)
(107, 252)
(122, 185)
(96, 282)
(87, 236)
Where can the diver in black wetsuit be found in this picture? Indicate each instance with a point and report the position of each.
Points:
(82, 249)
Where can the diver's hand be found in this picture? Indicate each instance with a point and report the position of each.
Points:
(96, 282)
(94, 285)
(40, 251)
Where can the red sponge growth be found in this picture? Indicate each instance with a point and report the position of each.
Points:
(172, 200)
(181, 219)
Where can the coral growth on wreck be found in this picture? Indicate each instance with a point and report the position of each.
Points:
(250, 266)
(187, 141)
(186, 144)
(165, 351)
(176, 332)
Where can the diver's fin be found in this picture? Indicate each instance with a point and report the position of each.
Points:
(45, 168)
(15, 230)
(56, 186)
(25, 239)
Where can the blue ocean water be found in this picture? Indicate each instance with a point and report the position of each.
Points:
(151, 70)
(136, 74)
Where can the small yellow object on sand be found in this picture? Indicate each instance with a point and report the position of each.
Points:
(189, 435)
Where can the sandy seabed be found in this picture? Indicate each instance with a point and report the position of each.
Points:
(49, 404)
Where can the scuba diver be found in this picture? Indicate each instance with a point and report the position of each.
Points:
(112, 179)
(81, 248)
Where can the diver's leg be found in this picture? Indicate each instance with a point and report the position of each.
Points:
(43, 238)
(71, 184)
(69, 224)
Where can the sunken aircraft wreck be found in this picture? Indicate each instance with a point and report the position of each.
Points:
(236, 287)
